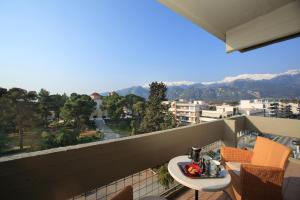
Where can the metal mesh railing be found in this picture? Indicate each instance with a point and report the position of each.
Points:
(246, 139)
(144, 183)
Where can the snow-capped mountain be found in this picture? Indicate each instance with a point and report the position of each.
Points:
(174, 83)
(244, 86)
(255, 77)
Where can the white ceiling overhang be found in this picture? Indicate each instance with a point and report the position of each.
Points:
(243, 24)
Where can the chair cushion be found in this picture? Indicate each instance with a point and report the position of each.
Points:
(269, 153)
(235, 167)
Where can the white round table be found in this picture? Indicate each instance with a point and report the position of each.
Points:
(207, 185)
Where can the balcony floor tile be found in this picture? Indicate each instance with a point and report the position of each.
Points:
(189, 194)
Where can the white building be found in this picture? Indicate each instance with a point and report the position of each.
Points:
(295, 108)
(98, 112)
(253, 107)
(222, 111)
(187, 111)
(253, 104)
(272, 109)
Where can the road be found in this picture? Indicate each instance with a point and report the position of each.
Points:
(108, 133)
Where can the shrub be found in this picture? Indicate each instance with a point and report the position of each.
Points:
(67, 137)
(49, 140)
(165, 179)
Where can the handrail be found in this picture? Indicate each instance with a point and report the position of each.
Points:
(64, 172)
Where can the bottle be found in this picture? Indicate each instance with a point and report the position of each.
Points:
(203, 165)
(208, 168)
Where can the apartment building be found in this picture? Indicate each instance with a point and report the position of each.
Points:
(253, 103)
(253, 107)
(295, 108)
(187, 112)
(220, 112)
(263, 107)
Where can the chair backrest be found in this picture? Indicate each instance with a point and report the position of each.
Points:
(125, 194)
(269, 153)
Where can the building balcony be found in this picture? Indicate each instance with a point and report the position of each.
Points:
(99, 170)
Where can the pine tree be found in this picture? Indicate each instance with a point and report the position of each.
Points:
(157, 116)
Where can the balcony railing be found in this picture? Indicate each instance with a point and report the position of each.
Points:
(65, 172)
(144, 183)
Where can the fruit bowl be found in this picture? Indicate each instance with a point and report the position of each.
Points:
(193, 169)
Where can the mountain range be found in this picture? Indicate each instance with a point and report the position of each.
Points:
(244, 86)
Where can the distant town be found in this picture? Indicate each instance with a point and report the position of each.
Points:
(198, 111)
(33, 121)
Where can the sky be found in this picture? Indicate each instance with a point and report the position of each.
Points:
(103, 45)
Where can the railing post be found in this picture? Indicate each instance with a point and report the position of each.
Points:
(229, 134)
(232, 127)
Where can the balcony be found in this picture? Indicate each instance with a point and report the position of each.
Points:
(64, 173)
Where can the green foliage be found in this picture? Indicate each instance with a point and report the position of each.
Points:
(44, 100)
(6, 112)
(165, 179)
(49, 103)
(24, 110)
(82, 140)
(169, 121)
(114, 105)
(49, 140)
(63, 138)
(78, 109)
(3, 91)
(157, 116)
(100, 135)
(131, 100)
(67, 137)
(138, 112)
(121, 126)
(2, 141)
(57, 102)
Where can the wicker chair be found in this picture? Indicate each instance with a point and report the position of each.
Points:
(256, 174)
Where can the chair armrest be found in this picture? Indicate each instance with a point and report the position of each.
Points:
(125, 194)
(261, 182)
(230, 154)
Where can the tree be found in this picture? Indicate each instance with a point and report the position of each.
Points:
(67, 137)
(6, 113)
(114, 105)
(5, 117)
(157, 116)
(138, 112)
(64, 137)
(78, 109)
(3, 91)
(57, 102)
(131, 100)
(49, 140)
(169, 121)
(24, 109)
(45, 105)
